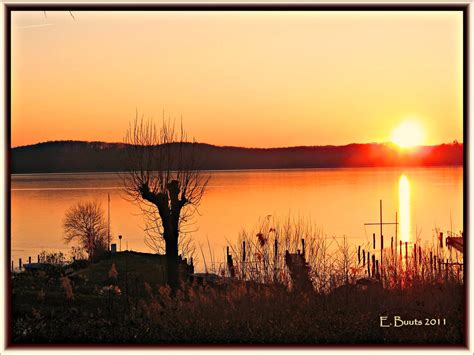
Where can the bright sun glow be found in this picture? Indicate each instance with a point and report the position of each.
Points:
(408, 134)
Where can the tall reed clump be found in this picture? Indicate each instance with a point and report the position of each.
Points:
(409, 264)
(260, 253)
(259, 256)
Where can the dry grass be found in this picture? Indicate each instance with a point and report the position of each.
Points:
(124, 300)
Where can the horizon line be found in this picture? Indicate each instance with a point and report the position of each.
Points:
(243, 147)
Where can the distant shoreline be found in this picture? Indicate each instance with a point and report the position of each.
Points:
(98, 157)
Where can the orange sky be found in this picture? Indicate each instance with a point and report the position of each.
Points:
(255, 79)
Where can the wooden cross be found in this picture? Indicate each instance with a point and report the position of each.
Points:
(381, 223)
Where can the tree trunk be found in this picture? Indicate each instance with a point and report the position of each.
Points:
(169, 208)
(172, 263)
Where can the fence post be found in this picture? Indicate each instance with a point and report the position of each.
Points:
(447, 269)
(358, 255)
(441, 240)
(19, 263)
(275, 259)
(243, 259)
(373, 239)
(230, 264)
(29, 260)
(373, 265)
(414, 253)
(38, 258)
(381, 249)
(368, 263)
(363, 257)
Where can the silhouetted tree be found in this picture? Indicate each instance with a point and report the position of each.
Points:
(85, 223)
(164, 177)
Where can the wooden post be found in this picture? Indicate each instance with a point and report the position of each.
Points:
(441, 240)
(414, 253)
(38, 259)
(363, 256)
(381, 249)
(373, 239)
(275, 260)
(108, 222)
(396, 230)
(447, 268)
(368, 264)
(373, 264)
(230, 264)
(19, 263)
(29, 260)
(381, 233)
(358, 255)
(243, 259)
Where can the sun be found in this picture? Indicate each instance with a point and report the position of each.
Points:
(408, 134)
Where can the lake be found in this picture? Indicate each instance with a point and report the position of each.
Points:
(338, 201)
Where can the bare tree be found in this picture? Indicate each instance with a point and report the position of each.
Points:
(164, 177)
(85, 223)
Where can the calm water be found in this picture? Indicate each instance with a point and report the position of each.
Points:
(339, 201)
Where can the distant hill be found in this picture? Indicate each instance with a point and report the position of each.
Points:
(79, 156)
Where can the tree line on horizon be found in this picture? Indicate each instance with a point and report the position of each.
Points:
(80, 156)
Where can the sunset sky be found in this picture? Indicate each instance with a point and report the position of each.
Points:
(253, 79)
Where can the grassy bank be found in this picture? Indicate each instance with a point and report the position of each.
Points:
(127, 303)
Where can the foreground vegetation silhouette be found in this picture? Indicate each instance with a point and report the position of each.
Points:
(123, 298)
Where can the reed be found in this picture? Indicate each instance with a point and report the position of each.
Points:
(335, 262)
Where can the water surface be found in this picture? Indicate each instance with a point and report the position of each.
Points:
(338, 201)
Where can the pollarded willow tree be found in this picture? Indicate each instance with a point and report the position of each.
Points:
(164, 177)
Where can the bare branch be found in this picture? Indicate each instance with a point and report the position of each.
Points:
(164, 178)
(86, 224)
